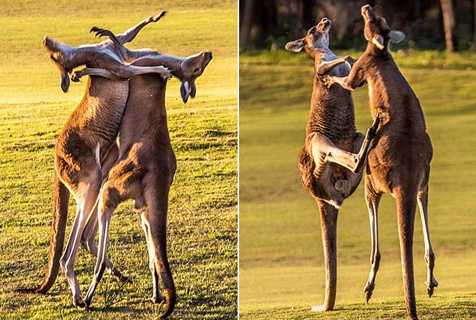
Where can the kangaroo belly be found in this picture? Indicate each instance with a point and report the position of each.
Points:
(327, 181)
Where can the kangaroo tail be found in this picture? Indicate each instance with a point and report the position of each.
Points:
(58, 228)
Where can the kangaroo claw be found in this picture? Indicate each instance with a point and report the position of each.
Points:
(76, 76)
(369, 289)
(158, 17)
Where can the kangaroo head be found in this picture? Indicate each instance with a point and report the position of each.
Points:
(376, 30)
(57, 53)
(193, 67)
(316, 38)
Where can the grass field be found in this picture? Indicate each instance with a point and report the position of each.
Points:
(202, 224)
(281, 261)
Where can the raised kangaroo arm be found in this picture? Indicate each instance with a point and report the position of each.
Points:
(131, 33)
(355, 78)
(121, 73)
(186, 69)
(67, 58)
(326, 66)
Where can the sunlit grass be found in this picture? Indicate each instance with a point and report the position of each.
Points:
(202, 224)
(281, 259)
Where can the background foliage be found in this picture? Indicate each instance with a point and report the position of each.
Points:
(270, 24)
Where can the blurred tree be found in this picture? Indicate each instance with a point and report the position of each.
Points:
(271, 23)
(247, 9)
(474, 26)
(449, 23)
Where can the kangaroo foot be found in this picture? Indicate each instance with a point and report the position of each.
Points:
(157, 17)
(116, 273)
(79, 303)
(319, 308)
(369, 289)
(431, 286)
(157, 298)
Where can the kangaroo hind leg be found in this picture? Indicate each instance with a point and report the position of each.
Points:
(429, 255)
(373, 199)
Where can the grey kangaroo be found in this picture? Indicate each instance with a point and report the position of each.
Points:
(85, 150)
(399, 161)
(146, 164)
(332, 158)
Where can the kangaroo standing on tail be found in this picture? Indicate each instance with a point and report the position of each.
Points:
(399, 162)
(85, 150)
(330, 167)
(146, 165)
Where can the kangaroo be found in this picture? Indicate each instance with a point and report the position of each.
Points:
(185, 69)
(83, 150)
(330, 168)
(399, 161)
(145, 168)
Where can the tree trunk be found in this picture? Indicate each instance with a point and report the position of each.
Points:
(474, 26)
(247, 22)
(449, 24)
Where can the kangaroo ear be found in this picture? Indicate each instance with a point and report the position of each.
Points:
(396, 36)
(185, 91)
(193, 90)
(64, 81)
(378, 41)
(295, 46)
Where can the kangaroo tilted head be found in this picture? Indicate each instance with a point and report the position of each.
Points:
(192, 68)
(56, 49)
(316, 38)
(376, 30)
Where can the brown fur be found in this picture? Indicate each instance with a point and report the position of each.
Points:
(83, 150)
(330, 131)
(145, 168)
(399, 162)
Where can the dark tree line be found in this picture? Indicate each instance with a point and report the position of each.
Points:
(449, 24)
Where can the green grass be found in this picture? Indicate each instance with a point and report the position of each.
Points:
(281, 260)
(202, 224)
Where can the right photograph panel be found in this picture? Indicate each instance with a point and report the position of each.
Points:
(357, 159)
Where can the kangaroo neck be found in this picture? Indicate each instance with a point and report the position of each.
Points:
(174, 64)
(332, 110)
(100, 113)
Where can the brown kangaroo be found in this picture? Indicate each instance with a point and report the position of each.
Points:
(145, 168)
(330, 168)
(399, 161)
(83, 150)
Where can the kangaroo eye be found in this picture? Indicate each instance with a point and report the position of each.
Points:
(196, 70)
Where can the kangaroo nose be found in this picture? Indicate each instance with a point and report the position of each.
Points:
(325, 20)
(366, 8)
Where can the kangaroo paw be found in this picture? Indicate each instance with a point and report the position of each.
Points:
(165, 74)
(76, 76)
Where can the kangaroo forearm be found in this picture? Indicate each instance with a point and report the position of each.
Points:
(343, 82)
(132, 55)
(326, 66)
(174, 64)
(131, 33)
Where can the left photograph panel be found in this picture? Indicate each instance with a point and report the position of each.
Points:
(118, 177)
